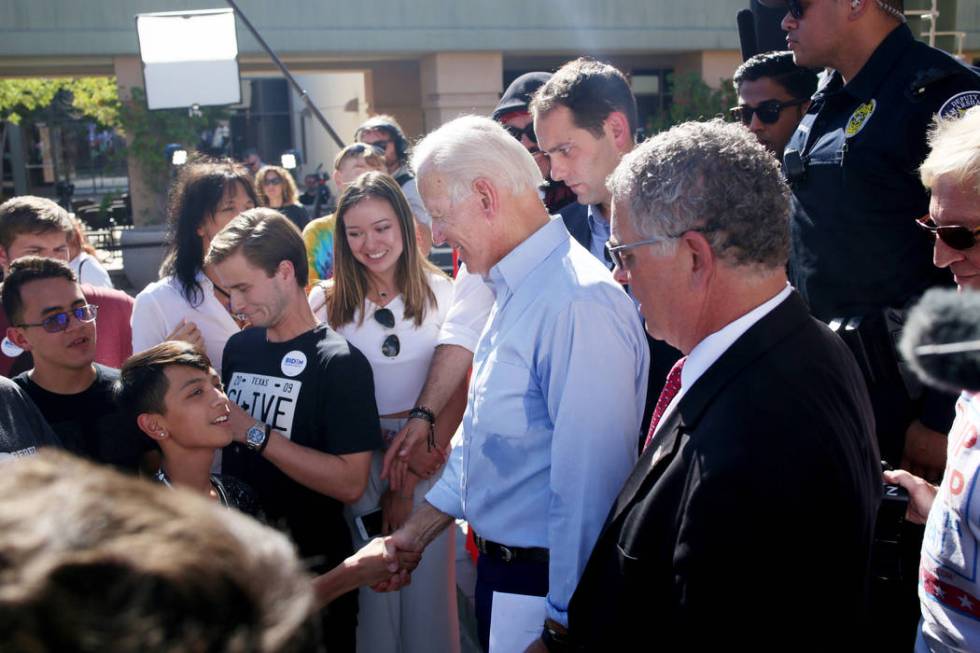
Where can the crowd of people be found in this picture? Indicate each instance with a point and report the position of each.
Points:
(660, 390)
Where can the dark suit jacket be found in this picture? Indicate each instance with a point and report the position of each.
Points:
(576, 217)
(749, 519)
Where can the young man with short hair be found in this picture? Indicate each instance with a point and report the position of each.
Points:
(773, 96)
(36, 226)
(303, 413)
(52, 319)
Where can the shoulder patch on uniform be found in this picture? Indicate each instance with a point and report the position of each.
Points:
(957, 105)
(860, 118)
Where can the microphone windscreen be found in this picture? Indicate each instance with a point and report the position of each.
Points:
(746, 33)
(944, 317)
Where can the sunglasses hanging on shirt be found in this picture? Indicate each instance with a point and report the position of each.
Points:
(391, 346)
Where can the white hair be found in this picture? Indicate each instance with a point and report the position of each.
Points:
(955, 151)
(473, 147)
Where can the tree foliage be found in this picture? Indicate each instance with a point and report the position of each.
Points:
(95, 98)
(693, 99)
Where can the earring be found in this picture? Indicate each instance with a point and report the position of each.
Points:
(855, 4)
(162, 434)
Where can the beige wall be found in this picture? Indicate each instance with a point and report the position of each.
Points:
(457, 83)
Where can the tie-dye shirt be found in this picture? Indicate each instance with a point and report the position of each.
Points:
(318, 236)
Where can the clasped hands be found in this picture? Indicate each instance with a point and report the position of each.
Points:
(409, 453)
(400, 555)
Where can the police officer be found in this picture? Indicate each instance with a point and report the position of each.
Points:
(857, 254)
(852, 163)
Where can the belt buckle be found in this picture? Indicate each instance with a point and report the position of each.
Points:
(507, 554)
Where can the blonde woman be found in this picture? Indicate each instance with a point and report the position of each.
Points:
(277, 190)
(390, 303)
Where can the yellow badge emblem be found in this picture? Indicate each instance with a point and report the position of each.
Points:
(860, 118)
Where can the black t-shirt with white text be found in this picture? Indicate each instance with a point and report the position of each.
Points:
(89, 423)
(318, 391)
(23, 430)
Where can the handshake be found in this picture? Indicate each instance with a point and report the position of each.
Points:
(385, 564)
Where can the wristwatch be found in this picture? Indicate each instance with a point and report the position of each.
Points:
(257, 437)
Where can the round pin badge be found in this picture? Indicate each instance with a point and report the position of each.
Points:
(860, 118)
(957, 105)
(9, 349)
(293, 363)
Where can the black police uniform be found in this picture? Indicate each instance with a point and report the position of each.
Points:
(855, 245)
(856, 251)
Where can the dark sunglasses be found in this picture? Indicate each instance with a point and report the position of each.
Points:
(518, 133)
(956, 236)
(767, 111)
(272, 181)
(794, 7)
(59, 321)
(380, 146)
(391, 345)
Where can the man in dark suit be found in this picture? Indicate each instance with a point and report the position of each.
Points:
(749, 517)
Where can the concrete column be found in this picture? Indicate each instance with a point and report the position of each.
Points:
(149, 205)
(393, 88)
(712, 66)
(457, 83)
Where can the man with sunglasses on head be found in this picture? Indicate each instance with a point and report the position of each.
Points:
(386, 135)
(856, 253)
(773, 95)
(303, 413)
(51, 318)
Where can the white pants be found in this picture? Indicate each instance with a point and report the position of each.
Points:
(420, 618)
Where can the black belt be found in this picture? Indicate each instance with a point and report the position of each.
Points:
(510, 553)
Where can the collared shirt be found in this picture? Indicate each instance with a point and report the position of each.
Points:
(554, 407)
(707, 352)
(854, 243)
(599, 226)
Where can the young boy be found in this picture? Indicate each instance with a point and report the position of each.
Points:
(53, 320)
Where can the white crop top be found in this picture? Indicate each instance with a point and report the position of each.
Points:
(398, 380)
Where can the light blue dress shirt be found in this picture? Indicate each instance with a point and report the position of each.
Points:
(599, 228)
(554, 408)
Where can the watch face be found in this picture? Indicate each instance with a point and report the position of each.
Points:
(255, 435)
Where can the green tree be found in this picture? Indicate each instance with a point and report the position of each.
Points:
(693, 99)
(57, 101)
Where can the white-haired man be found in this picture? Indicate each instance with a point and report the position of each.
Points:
(949, 591)
(559, 375)
(748, 521)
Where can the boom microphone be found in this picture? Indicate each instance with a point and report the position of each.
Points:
(746, 33)
(941, 340)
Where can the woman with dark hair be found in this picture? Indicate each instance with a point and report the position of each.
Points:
(277, 190)
(187, 303)
(390, 303)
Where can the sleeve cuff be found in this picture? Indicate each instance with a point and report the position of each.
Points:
(442, 497)
(561, 616)
(457, 334)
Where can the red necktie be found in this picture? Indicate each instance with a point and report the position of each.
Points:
(671, 388)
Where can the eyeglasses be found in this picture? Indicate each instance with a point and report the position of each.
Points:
(381, 145)
(519, 133)
(391, 345)
(59, 321)
(956, 236)
(767, 111)
(794, 7)
(615, 251)
(272, 181)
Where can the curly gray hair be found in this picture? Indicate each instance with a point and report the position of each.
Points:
(712, 177)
